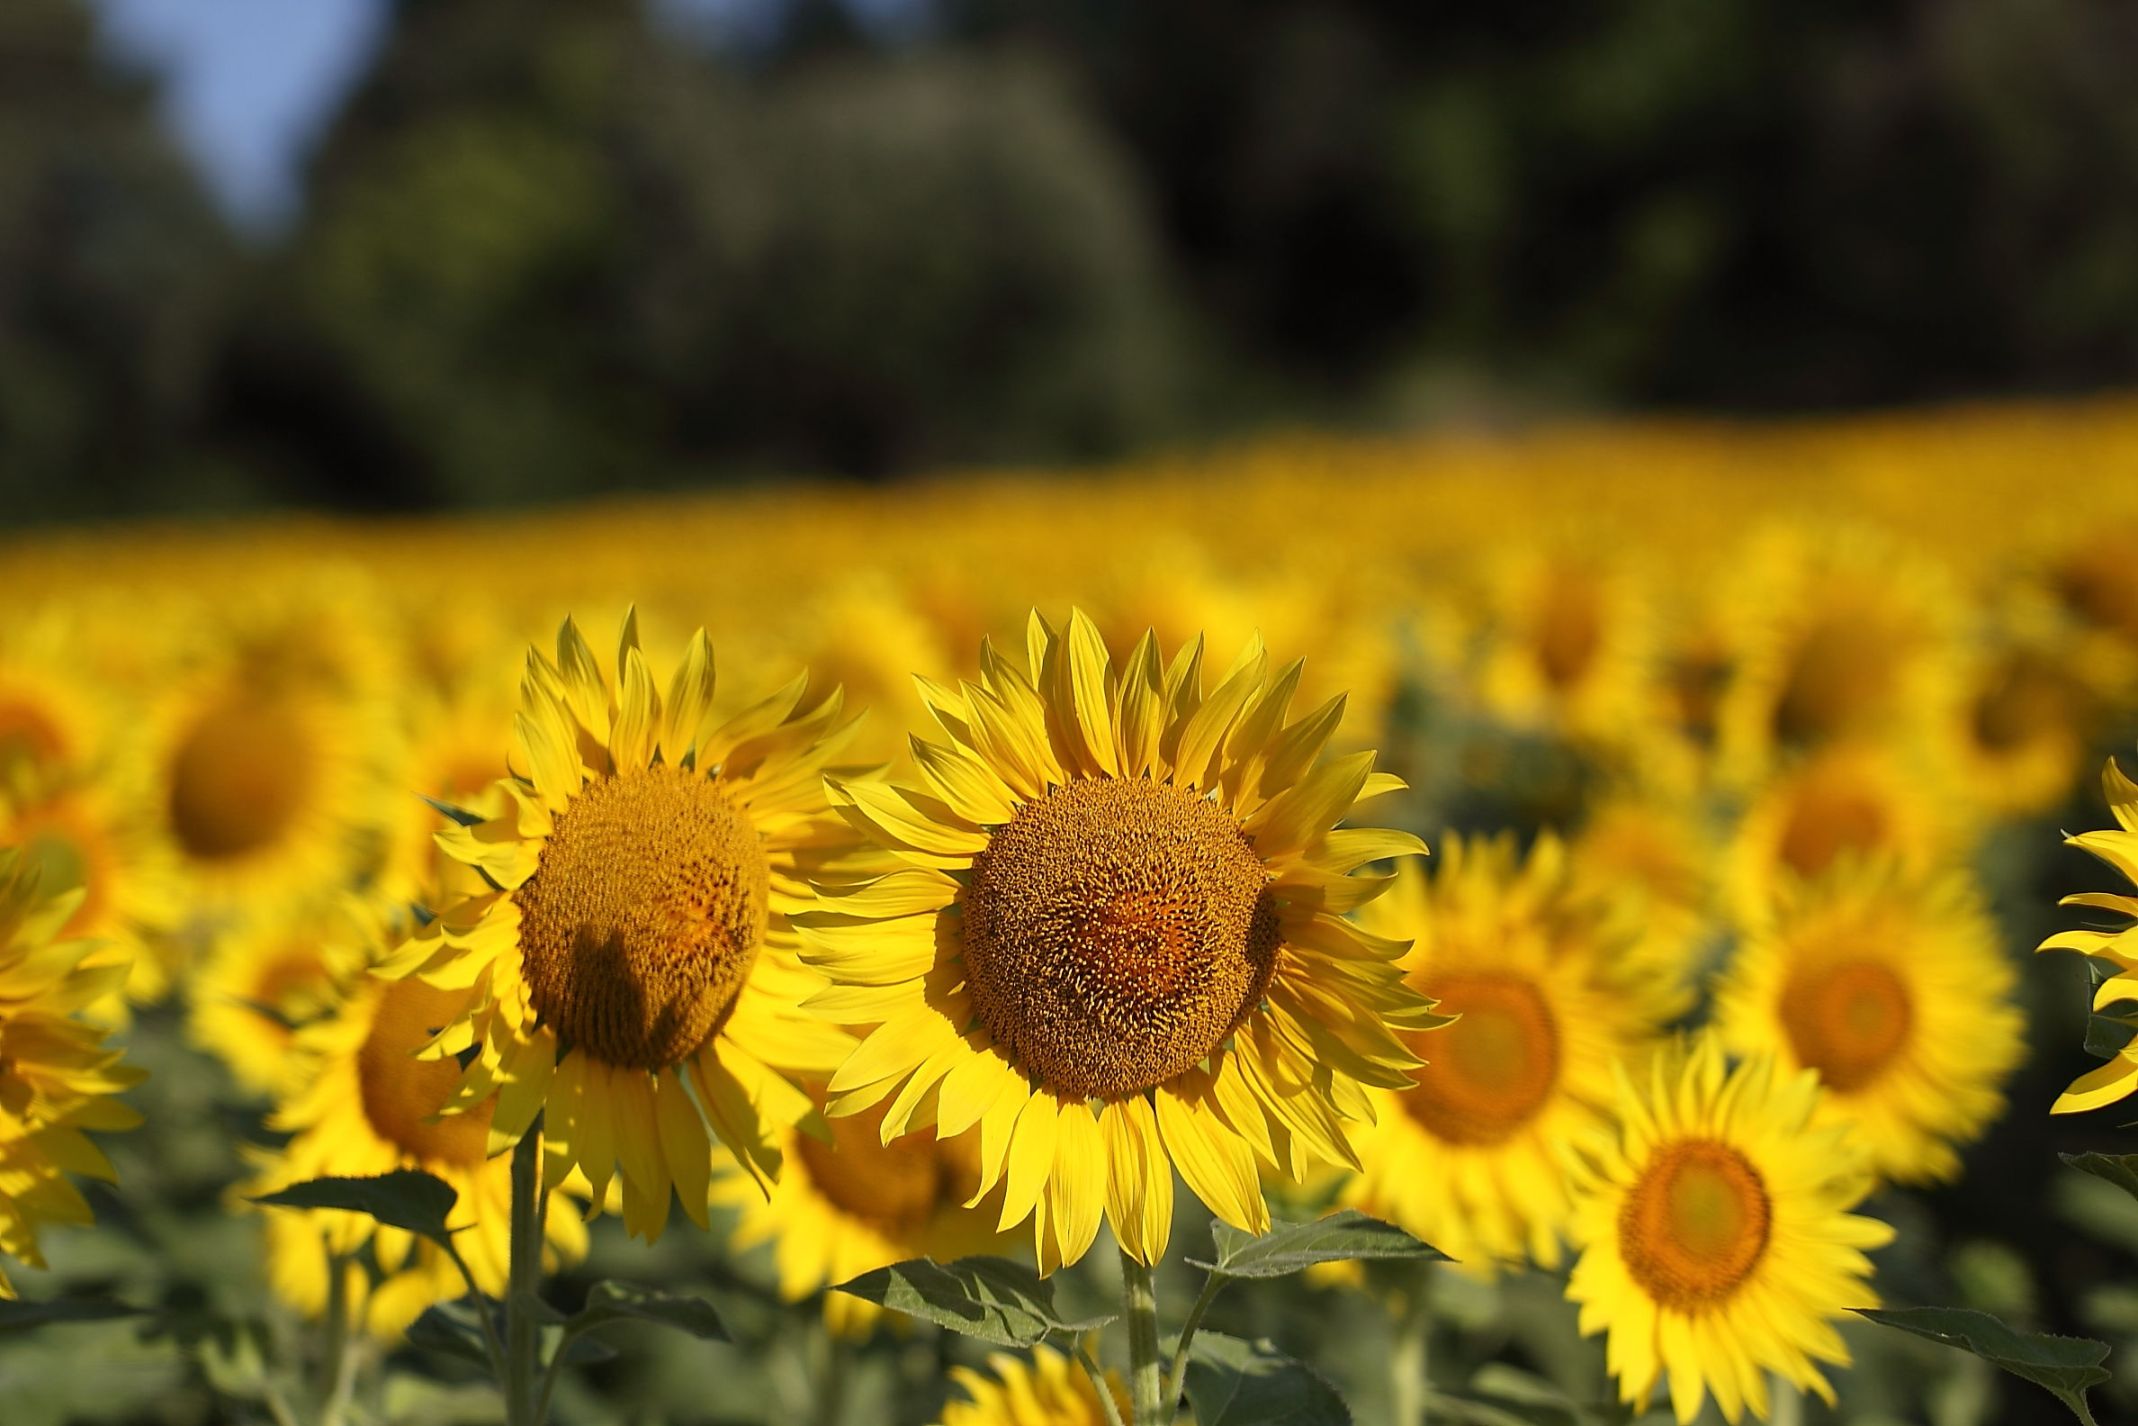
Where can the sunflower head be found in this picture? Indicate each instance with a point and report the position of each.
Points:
(1050, 1388)
(57, 1078)
(2118, 847)
(631, 948)
(1117, 945)
(1716, 1239)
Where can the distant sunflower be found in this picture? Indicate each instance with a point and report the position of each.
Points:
(1840, 637)
(58, 1080)
(1570, 644)
(82, 828)
(55, 714)
(1716, 1239)
(2119, 848)
(454, 754)
(358, 1103)
(1547, 1002)
(1895, 991)
(1119, 946)
(266, 978)
(1050, 1390)
(634, 965)
(853, 1204)
(1648, 856)
(2025, 720)
(1842, 803)
(268, 748)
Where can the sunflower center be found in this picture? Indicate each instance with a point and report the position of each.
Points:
(1489, 1073)
(1569, 629)
(1695, 1224)
(1842, 674)
(895, 1186)
(644, 916)
(1848, 1020)
(1116, 930)
(2024, 700)
(1828, 817)
(401, 1093)
(27, 731)
(240, 777)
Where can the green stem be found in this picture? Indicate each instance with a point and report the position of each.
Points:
(1146, 1392)
(338, 1380)
(522, 1331)
(1788, 1403)
(1176, 1377)
(1097, 1374)
(1410, 1356)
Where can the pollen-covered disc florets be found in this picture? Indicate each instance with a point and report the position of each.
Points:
(644, 916)
(1115, 932)
(1695, 1224)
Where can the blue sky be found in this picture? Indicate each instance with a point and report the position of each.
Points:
(249, 83)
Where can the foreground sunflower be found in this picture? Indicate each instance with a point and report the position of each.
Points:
(634, 972)
(1895, 991)
(1716, 1239)
(1548, 998)
(1050, 1390)
(358, 1104)
(852, 1204)
(57, 1078)
(1117, 946)
(2119, 848)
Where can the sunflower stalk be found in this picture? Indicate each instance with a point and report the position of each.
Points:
(1410, 1359)
(1146, 1388)
(338, 1375)
(524, 1402)
(1176, 1378)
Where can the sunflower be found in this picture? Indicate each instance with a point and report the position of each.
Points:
(2118, 848)
(1570, 644)
(82, 828)
(2022, 728)
(1841, 637)
(851, 1204)
(55, 715)
(1895, 991)
(1844, 802)
(1547, 1000)
(1117, 944)
(1647, 855)
(633, 962)
(454, 754)
(57, 1078)
(1050, 1390)
(268, 752)
(264, 979)
(358, 1103)
(1715, 1234)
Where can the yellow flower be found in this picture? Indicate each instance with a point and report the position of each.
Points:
(2021, 731)
(1547, 1001)
(1715, 1234)
(55, 715)
(634, 966)
(266, 977)
(1120, 893)
(358, 1103)
(1570, 644)
(1647, 856)
(454, 754)
(853, 1204)
(1050, 1390)
(57, 1078)
(2119, 848)
(1894, 990)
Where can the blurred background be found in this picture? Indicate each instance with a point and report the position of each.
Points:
(425, 254)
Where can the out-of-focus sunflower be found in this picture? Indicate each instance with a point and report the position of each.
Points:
(83, 828)
(267, 977)
(1895, 991)
(636, 941)
(2020, 732)
(1716, 1239)
(1126, 894)
(358, 1103)
(852, 1204)
(454, 754)
(1570, 644)
(1845, 802)
(56, 716)
(1049, 1390)
(1547, 1001)
(58, 1080)
(268, 750)
(2119, 848)
(1647, 855)
(1843, 636)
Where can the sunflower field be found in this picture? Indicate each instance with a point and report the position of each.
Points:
(1526, 929)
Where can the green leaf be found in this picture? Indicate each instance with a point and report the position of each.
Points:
(408, 1199)
(459, 815)
(1238, 1383)
(2106, 1035)
(452, 1329)
(1343, 1236)
(18, 1316)
(2063, 1366)
(611, 1302)
(2118, 1169)
(992, 1299)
